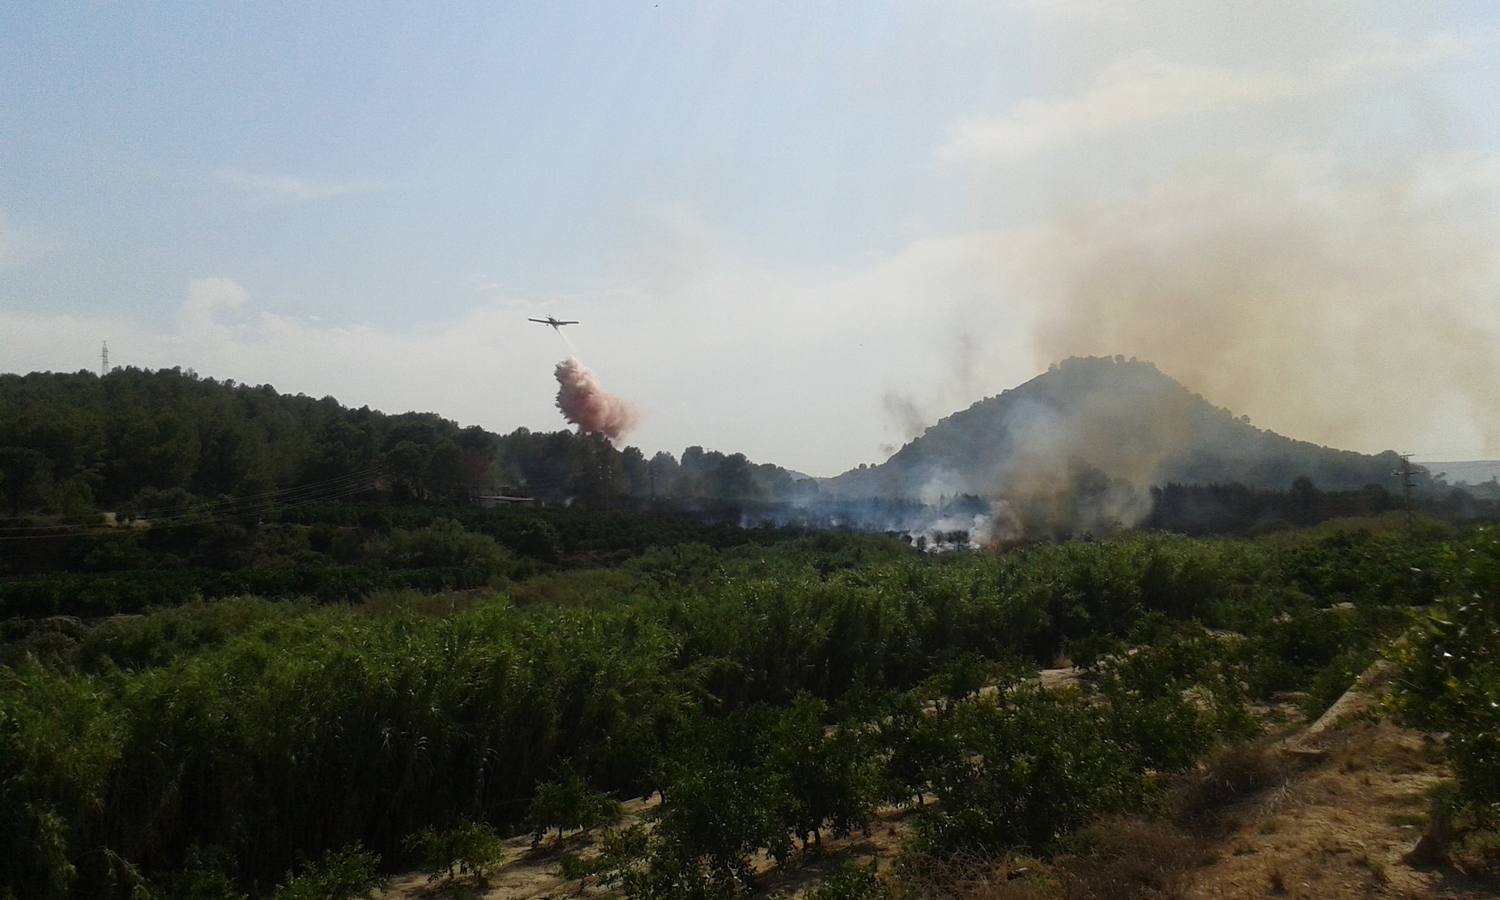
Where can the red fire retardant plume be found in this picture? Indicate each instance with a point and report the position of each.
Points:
(587, 405)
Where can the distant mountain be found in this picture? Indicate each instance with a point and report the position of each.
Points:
(1108, 427)
(1474, 471)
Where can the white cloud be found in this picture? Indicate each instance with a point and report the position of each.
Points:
(1145, 87)
(268, 188)
(206, 296)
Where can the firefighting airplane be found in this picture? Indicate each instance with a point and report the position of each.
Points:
(555, 323)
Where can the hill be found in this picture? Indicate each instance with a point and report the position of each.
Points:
(143, 440)
(1094, 433)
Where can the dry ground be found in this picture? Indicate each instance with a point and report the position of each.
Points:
(1339, 826)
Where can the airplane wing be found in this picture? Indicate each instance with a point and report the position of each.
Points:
(569, 322)
(538, 321)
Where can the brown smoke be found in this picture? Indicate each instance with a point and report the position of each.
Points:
(1323, 308)
(587, 405)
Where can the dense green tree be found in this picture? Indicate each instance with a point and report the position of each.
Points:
(24, 476)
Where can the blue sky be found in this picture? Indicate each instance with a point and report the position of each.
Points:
(798, 230)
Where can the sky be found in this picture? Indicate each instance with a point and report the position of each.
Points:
(799, 231)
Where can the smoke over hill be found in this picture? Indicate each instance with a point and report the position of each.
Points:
(1304, 295)
(1077, 448)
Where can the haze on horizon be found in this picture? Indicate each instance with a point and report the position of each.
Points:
(799, 232)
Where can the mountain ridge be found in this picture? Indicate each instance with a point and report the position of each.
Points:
(1122, 419)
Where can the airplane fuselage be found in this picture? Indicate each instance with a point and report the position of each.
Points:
(554, 322)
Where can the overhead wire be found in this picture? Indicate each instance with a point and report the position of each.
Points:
(229, 507)
(333, 490)
(367, 471)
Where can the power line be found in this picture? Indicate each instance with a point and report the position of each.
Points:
(190, 518)
(185, 522)
(366, 473)
(1407, 485)
(207, 515)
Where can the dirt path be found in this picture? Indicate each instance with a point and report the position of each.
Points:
(1340, 826)
(1355, 801)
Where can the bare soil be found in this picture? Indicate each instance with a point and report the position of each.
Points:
(1340, 825)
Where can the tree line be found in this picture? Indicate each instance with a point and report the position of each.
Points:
(73, 444)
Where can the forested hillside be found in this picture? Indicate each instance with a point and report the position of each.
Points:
(146, 440)
(1105, 419)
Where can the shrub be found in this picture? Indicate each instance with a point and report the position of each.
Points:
(851, 882)
(621, 852)
(1448, 677)
(1334, 679)
(568, 803)
(337, 875)
(204, 876)
(468, 849)
(1229, 775)
(1029, 771)
(1119, 858)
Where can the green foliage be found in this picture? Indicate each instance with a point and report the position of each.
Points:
(205, 875)
(60, 741)
(852, 881)
(1335, 678)
(717, 816)
(1450, 673)
(831, 777)
(1029, 771)
(70, 439)
(771, 690)
(916, 747)
(620, 853)
(341, 874)
(569, 803)
(1174, 700)
(467, 850)
(24, 476)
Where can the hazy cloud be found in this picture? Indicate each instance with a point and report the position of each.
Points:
(1147, 87)
(206, 296)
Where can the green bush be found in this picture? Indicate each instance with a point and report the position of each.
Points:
(852, 881)
(1029, 771)
(467, 850)
(341, 874)
(568, 803)
(1450, 673)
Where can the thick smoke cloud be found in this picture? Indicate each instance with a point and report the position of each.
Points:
(586, 404)
(1323, 308)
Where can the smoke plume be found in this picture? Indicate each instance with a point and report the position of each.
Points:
(588, 405)
(1323, 309)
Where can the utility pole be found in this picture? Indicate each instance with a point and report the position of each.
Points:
(104, 360)
(1406, 488)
